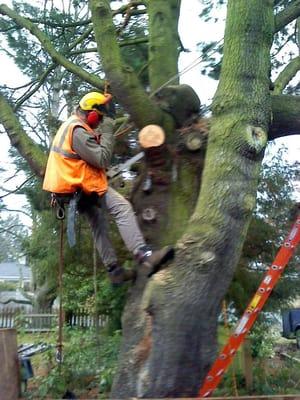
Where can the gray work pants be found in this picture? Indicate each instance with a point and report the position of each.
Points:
(121, 211)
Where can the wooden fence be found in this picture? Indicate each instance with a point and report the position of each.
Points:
(45, 320)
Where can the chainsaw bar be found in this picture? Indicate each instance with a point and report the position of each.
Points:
(116, 170)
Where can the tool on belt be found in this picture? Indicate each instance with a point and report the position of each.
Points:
(60, 201)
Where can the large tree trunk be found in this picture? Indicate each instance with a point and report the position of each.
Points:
(170, 327)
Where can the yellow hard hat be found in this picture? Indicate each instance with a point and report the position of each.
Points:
(92, 100)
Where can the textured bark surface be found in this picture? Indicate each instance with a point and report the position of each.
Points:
(170, 328)
(164, 43)
(170, 321)
(28, 149)
(122, 77)
(286, 116)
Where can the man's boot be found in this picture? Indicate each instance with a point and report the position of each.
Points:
(118, 275)
(153, 260)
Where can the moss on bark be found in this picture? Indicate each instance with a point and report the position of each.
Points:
(27, 148)
(184, 300)
(122, 78)
(164, 43)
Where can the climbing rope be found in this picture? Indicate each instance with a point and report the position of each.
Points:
(60, 215)
(59, 351)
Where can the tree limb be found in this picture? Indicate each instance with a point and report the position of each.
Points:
(47, 45)
(51, 24)
(122, 78)
(9, 192)
(288, 15)
(132, 3)
(19, 139)
(121, 10)
(286, 75)
(286, 116)
(17, 211)
(123, 43)
(164, 42)
(51, 68)
(39, 82)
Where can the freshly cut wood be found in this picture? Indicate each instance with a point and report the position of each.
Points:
(151, 136)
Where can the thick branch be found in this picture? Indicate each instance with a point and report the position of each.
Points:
(27, 148)
(133, 3)
(122, 78)
(47, 46)
(286, 75)
(287, 15)
(286, 116)
(164, 43)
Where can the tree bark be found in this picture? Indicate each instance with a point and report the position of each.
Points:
(164, 43)
(286, 116)
(286, 75)
(289, 14)
(171, 341)
(122, 78)
(170, 322)
(27, 148)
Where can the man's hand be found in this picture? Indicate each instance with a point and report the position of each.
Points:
(108, 109)
(107, 125)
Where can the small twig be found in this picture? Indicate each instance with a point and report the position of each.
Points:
(9, 192)
(18, 211)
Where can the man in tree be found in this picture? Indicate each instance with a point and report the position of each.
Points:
(181, 313)
(78, 159)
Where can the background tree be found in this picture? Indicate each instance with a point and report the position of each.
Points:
(12, 235)
(178, 307)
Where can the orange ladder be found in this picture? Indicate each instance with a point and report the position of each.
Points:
(250, 315)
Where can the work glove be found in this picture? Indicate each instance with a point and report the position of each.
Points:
(107, 125)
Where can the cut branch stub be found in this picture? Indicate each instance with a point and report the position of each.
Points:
(152, 140)
(151, 136)
(193, 141)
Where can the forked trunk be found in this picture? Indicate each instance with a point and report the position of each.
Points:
(170, 325)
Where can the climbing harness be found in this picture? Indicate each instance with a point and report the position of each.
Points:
(250, 315)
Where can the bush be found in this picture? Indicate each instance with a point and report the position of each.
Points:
(88, 361)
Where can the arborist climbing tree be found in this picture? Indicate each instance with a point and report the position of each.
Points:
(170, 321)
(76, 166)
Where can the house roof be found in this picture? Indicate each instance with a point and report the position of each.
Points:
(14, 271)
(13, 296)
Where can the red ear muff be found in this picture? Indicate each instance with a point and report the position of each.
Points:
(93, 119)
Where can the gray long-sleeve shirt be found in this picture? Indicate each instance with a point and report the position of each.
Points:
(86, 146)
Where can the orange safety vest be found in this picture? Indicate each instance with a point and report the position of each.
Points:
(66, 172)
